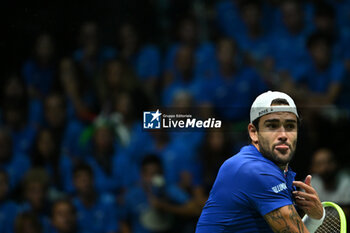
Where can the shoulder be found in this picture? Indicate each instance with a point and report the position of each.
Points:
(10, 206)
(250, 165)
(107, 199)
(149, 49)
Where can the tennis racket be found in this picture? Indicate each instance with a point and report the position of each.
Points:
(335, 221)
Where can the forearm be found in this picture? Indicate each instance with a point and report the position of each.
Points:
(285, 219)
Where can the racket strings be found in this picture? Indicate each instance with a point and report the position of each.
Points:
(331, 223)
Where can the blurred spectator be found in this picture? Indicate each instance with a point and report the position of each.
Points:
(253, 40)
(96, 212)
(28, 223)
(228, 18)
(145, 59)
(20, 115)
(187, 36)
(140, 216)
(232, 87)
(14, 163)
(116, 77)
(110, 165)
(342, 8)
(80, 92)
(293, 32)
(325, 22)
(35, 194)
(182, 77)
(8, 209)
(322, 77)
(215, 149)
(183, 103)
(127, 126)
(46, 155)
(66, 131)
(39, 71)
(63, 217)
(91, 55)
(329, 179)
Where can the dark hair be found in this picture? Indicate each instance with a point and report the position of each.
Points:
(256, 3)
(27, 216)
(324, 9)
(151, 159)
(37, 159)
(298, 3)
(83, 167)
(319, 37)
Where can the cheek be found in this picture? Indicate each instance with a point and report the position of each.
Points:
(293, 138)
(266, 139)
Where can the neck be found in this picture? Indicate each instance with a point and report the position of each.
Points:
(227, 69)
(87, 198)
(254, 31)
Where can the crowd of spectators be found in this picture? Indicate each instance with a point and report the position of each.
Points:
(74, 157)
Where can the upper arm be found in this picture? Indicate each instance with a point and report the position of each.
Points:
(285, 220)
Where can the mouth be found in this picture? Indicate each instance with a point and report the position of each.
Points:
(282, 148)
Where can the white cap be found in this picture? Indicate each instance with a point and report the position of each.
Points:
(262, 105)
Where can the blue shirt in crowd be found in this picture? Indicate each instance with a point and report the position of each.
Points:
(16, 167)
(316, 80)
(8, 213)
(101, 217)
(39, 77)
(247, 187)
(137, 205)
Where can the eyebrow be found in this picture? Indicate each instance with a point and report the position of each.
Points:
(277, 120)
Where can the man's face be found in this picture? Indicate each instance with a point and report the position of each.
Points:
(35, 194)
(149, 171)
(277, 137)
(63, 217)
(323, 164)
(83, 182)
(55, 111)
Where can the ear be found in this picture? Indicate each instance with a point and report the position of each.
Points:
(253, 133)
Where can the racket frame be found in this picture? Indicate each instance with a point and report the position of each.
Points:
(340, 212)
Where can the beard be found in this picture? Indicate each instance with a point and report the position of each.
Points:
(270, 153)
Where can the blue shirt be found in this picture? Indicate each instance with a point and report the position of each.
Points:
(247, 187)
(137, 204)
(39, 77)
(8, 213)
(232, 96)
(319, 81)
(120, 176)
(101, 217)
(204, 55)
(16, 167)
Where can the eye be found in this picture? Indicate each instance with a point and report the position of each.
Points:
(290, 126)
(272, 126)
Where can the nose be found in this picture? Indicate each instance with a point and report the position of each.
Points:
(282, 136)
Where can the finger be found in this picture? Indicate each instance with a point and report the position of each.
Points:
(307, 196)
(304, 186)
(302, 203)
(299, 198)
(308, 180)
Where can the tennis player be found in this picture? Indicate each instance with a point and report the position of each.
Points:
(255, 189)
